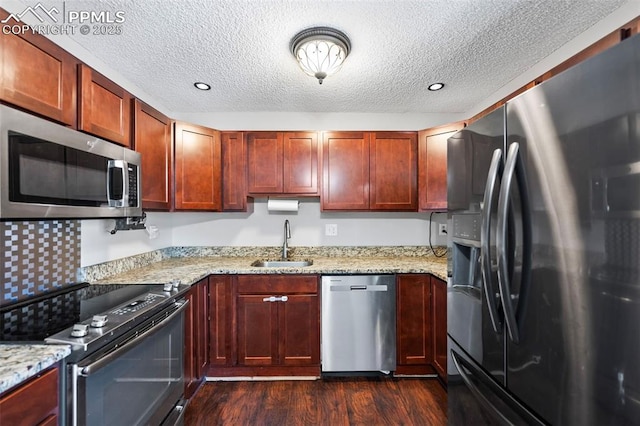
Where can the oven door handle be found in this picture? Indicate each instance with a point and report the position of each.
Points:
(86, 371)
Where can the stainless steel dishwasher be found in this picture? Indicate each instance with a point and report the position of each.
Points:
(358, 323)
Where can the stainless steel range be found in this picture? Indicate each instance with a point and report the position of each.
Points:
(127, 349)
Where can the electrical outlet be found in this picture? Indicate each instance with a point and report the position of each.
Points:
(442, 229)
(331, 229)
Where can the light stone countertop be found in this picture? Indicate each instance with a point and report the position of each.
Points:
(192, 269)
(20, 362)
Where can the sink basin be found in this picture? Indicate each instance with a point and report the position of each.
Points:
(281, 263)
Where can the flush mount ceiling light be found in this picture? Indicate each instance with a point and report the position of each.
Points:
(320, 51)
(435, 86)
(202, 86)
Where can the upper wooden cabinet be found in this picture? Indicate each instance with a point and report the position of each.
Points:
(369, 171)
(197, 168)
(105, 107)
(393, 169)
(234, 182)
(345, 171)
(153, 141)
(432, 166)
(282, 163)
(38, 76)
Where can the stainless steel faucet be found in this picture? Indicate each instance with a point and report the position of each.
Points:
(287, 235)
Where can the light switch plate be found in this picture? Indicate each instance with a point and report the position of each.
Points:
(331, 230)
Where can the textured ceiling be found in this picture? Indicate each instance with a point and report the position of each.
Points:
(241, 48)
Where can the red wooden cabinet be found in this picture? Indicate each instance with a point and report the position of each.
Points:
(38, 75)
(393, 169)
(439, 315)
(152, 139)
(414, 320)
(104, 107)
(282, 163)
(345, 171)
(278, 320)
(32, 403)
(432, 166)
(234, 181)
(198, 167)
(220, 322)
(196, 337)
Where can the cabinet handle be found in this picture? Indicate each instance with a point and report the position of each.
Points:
(275, 299)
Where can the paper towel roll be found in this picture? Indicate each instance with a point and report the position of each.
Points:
(282, 205)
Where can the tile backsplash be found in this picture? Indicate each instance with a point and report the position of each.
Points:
(38, 256)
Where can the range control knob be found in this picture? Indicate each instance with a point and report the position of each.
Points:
(80, 330)
(167, 287)
(99, 321)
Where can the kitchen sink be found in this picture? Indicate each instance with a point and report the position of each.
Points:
(282, 262)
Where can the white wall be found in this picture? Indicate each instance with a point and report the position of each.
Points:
(260, 228)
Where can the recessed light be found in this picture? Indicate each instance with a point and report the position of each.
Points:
(435, 86)
(202, 86)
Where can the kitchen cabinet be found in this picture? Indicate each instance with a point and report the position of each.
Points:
(32, 403)
(393, 166)
(414, 324)
(345, 171)
(104, 107)
(234, 192)
(220, 320)
(432, 166)
(278, 322)
(439, 319)
(152, 139)
(196, 337)
(197, 168)
(38, 76)
(369, 171)
(282, 163)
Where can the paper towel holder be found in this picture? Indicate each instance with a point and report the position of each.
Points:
(282, 204)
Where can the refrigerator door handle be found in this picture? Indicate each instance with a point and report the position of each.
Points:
(501, 243)
(475, 390)
(490, 193)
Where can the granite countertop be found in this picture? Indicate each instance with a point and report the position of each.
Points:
(20, 362)
(192, 269)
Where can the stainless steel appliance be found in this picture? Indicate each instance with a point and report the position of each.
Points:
(544, 295)
(50, 171)
(358, 330)
(127, 362)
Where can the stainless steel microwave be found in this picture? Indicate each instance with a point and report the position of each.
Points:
(50, 171)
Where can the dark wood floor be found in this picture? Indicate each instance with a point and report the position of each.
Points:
(334, 401)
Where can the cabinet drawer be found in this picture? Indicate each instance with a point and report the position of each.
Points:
(281, 284)
(32, 402)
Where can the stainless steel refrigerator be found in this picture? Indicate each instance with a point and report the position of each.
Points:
(544, 290)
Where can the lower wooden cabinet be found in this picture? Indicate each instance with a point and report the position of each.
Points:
(33, 403)
(220, 320)
(196, 337)
(439, 315)
(421, 325)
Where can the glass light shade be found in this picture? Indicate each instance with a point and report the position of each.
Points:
(320, 51)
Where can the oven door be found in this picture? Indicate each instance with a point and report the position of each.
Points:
(138, 381)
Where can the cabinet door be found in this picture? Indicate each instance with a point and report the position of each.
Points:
(299, 330)
(264, 161)
(153, 141)
(34, 402)
(300, 164)
(234, 193)
(439, 304)
(39, 76)
(345, 171)
(414, 319)
(220, 322)
(190, 369)
(432, 165)
(105, 107)
(394, 171)
(202, 328)
(257, 330)
(197, 168)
